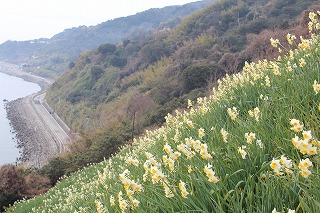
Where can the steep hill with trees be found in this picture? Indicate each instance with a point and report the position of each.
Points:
(50, 57)
(115, 91)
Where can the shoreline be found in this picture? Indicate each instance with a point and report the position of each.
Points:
(13, 70)
(36, 139)
(33, 139)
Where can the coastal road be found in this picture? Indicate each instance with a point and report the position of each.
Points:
(49, 118)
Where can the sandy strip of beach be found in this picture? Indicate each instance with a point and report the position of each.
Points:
(36, 138)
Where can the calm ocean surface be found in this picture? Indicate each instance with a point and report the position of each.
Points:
(11, 88)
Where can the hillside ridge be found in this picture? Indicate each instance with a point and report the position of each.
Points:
(49, 57)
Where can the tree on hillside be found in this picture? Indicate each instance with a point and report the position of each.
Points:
(196, 76)
(138, 105)
(106, 49)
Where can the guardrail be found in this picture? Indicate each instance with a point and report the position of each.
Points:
(65, 128)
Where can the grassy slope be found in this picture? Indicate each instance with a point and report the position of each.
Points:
(245, 184)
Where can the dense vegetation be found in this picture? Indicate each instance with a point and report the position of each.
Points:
(251, 146)
(50, 57)
(117, 90)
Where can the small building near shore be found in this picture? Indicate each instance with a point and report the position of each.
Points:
(24, 65)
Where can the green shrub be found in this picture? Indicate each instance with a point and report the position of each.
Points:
(199, 75)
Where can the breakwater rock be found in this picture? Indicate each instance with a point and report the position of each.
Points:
(34, 140)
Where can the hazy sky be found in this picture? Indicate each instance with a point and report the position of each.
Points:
(31, 19)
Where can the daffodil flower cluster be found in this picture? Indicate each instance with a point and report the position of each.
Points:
(304, 145)
(275, 68)
(156, 174)
(274, 42)
(313, 24)
(182, 187)
(281, 164)
(296, 126)
(313, 17)
(197, 146)
(204, 109)
(100, 207)
(302, 62)
(151, 166)
(201, 133)
(233, 113)
(123, 204)
(112, 201)
(186, 149)
(210, 173)
(133, 161)
(167, 190)
(304, 166)
(305, 43)
(267, 79)
(254, 113)
(290, 38)
(289, 67)
(172, 156)
(204, 152)
(189, 123)
(316, 86)
(129, 185)
(250, 137)
(224, 135)
(291, 55)
(242, 152)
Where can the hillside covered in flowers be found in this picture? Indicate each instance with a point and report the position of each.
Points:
(251, 146)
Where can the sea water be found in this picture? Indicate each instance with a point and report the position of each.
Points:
(11, 88)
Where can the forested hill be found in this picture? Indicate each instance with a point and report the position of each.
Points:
(115, 91)
(53, 55)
